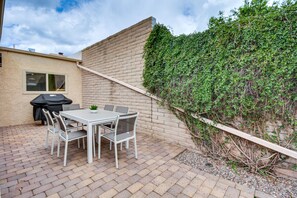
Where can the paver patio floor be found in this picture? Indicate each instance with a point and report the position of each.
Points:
(28, 170)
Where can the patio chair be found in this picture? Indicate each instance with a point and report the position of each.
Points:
(121, 109)
(51, 128)
(67, 107)
(107, 125)
(124, 130)
(66, 135)
(108, 107)
(110, 126)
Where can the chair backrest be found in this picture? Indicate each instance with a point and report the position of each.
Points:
(67, 107)
(108, 107)
(126, 124)
(61, 123)
(49, 120)
(121, 109)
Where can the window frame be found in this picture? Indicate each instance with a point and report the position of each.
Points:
(46, 82)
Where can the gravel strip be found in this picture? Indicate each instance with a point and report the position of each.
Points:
(276, 187)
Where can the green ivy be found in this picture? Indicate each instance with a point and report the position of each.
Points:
(242, 66)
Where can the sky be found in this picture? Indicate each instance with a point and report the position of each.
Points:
(68, 26)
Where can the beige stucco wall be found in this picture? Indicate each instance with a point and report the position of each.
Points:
(121, 56)
(15, 105)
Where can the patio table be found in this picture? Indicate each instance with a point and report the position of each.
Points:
(90, 119)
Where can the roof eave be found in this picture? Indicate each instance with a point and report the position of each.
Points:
(53, 56)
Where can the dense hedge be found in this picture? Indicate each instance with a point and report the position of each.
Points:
(244, 67)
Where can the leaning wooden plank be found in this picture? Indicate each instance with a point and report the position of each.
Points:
(119, 82)
(249, 137)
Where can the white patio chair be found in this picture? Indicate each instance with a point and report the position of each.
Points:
(51, 128)
(107, 125)
(108, 107)
(69, 107)
(110, 126)
(66, 135)
(121, 109)
(124, 130)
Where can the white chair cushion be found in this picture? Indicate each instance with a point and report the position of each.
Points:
(70, 122)
(75, 135)
(123, 136)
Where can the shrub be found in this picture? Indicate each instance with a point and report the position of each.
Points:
(241, 72)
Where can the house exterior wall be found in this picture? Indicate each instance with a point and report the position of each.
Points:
(120, 56)
(15, 105)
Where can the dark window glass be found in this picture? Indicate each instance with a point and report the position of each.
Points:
(35, 81)
(56, 82)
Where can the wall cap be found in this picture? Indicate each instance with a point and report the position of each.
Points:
(152, 19)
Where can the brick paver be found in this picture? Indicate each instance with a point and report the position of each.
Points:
(189, 191)
(135, 187)
(232, 192)
(27, 169)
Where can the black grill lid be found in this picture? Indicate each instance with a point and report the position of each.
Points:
(50, 99)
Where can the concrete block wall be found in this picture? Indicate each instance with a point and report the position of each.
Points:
(120, 56)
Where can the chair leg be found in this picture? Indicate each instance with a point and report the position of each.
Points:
(46, 139)
(94, 146)
(110, 145)
(121, 146)
(135, 147)
(58, 150)
(84, 146)
(53, 144)
(65, 154)
(116, 155)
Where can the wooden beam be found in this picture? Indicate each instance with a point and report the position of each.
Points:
(249, 137)
(119, 82)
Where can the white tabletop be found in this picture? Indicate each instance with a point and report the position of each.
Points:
(86, 117)
(90, 119)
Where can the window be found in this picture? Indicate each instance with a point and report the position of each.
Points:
(45, 82)
(35, 81)
(56, 82)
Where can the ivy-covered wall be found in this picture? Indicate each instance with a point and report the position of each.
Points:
(241, 72)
